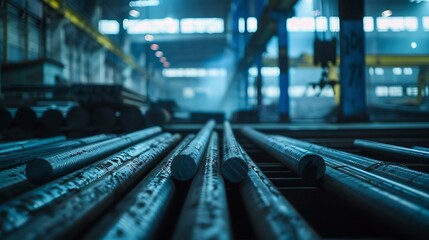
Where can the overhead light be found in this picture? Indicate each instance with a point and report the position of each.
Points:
(154, 46)
(159, 54)
(386, 13)
(149, 38)
(413, 45)
(166, 64)
(163, 59)
(134, 13)
(144, 3)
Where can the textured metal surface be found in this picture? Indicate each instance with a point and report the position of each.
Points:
(401, 213)
(391, 171)
(21, 157)
(401, 190)
(408, 154)
(205, 212)
(139, 214)
(17, 211)
(67, 218)
(185, 165)
(272, 216)
(30, 144)
(41, 170)
(303, 162)
(234, 167)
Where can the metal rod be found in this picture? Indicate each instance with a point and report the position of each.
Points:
(205, 212)
(185, 165)
(42, 170)
(234, 167)
(421, 148)
(303, 162)
(88, 194)
(30, 144)
(391, 171)
(271, 215)
(139, 214)
(21, 157)
(401, 190)
(401, 214)
(392, 150)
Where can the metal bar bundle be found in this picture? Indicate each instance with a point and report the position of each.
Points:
(21, 157)
(272, 216)
(139, 214)
(205, 212)
(47, 168)
(17, 211)
(30, 144)
(185, 165)
(234, 167)
(392, 150)
(402, 213)
(391, 171)
(303, 162)
(67, 217)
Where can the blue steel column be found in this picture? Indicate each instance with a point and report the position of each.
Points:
(352, 56)
(258, 84)
(284, 69)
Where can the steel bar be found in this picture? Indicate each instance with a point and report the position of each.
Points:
(403, 215)
(394, 172)
(421, 148)
(16, 158)
(139, 214)
(303, 162)
(42, 170)
(205, 212)
(17, 211)
(12, 182)
(185, 165)
(271, 215)
(392, 150)
(88, 195)
(403, 191)
(234, 167)
(13, 143)
(31, 144)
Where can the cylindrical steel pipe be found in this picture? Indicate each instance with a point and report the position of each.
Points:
(30, 144)
(401, 190)
(41, 170)
(18, 210)
(402, 214)
(303, 162)
(185, 165)
(391, 171)
(139, 214)
(85, 205)
(205, 212)
(234, 167)
(421, 148)
(392, 150)
(272, 216)
(21, 157)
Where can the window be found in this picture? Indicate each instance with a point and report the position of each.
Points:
(108, 26)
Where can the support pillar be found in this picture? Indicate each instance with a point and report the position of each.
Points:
(258, 84)
(5, 31)
(352, 66)
(284, 69)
